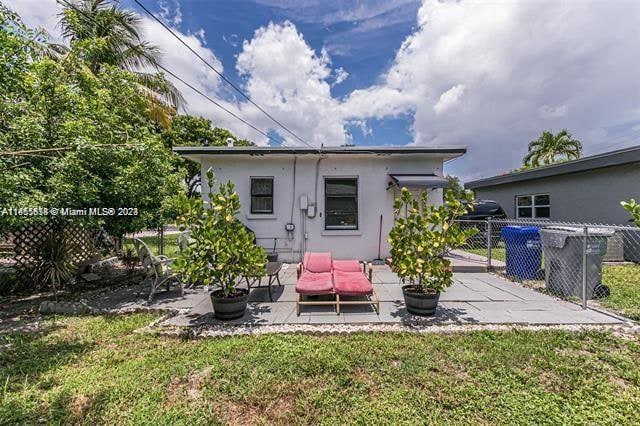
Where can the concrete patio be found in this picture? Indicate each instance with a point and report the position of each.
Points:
(475, 298)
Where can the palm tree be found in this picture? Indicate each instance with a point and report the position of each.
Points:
(550, 148)
(102, 34)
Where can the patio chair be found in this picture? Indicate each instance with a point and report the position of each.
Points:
(158, 268)
(315, 279)
(351, 278)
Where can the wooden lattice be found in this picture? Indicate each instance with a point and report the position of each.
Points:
(28, 240)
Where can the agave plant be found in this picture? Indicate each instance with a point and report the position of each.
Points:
(54, 264)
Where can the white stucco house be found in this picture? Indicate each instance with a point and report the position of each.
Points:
(330, 199)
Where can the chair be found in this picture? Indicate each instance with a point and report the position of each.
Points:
(156, 267)
(315, 279)
(350, 278)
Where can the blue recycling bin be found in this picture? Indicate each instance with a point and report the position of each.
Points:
(524, 252)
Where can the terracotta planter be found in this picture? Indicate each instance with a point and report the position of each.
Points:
(423, 304)
(228, 308)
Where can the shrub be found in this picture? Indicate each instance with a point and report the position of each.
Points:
(422, 235)
(221, 251)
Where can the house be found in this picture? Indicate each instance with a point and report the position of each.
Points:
(332, 199)
(586, 190)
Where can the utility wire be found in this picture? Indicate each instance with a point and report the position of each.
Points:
(279, 142)
(198, 91)
(225, 79)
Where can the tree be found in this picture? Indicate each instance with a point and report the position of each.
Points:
(101, 34)
(188, 130)
(550, 149)
(74, 139)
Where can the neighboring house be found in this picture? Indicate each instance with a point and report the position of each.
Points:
(586, 190)
(304, 199)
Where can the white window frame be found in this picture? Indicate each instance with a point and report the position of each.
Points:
(533, 205)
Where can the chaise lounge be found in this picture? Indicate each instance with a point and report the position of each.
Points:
(319, 275)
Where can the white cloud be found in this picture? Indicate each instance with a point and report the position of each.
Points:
(170, 12)
(491, 75)
(449, 99)
(286, 77)
(37, 14)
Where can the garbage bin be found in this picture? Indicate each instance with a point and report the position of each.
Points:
(563, 250)
(523, 251)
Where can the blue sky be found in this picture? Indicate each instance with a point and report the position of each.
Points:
(360, 36)
(491, 75)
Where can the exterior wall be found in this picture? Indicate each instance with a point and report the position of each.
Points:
(592, 196)
(373, 199)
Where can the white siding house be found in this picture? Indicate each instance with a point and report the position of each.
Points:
(303, 199)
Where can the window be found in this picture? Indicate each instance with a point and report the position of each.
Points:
(341, 203)
(262, 195)
(533, 206)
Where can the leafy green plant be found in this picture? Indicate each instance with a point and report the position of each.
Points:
(422, 235)
(129, 260)
(550, 149)
(634, 208)
(221, 250)
(54, 264)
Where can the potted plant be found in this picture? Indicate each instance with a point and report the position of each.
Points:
(221, 251)
(420, 238)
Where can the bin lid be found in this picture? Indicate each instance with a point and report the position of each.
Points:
(556, 236)
(521, 230)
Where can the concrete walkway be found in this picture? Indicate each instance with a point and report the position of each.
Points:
(475, 298)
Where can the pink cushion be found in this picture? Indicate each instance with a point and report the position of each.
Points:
(346, 265)
(317, 262)
(351, 284)
(314, 283)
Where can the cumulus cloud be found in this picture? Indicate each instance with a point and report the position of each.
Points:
(287, 77)
(491, 75)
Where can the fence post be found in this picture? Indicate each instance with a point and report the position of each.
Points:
(584, 267)
(489, 244)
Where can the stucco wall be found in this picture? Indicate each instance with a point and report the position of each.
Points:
(592, 196)
(373, 199)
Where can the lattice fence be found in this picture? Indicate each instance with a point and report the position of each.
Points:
(28, 240)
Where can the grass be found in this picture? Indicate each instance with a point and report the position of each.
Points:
(170, 244)
(624, 282)
(97, 370)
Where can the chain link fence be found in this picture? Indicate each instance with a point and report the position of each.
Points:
(565, 259)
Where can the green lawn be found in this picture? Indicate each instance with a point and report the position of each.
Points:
(624, 282)
(170, 244)
(96, 370)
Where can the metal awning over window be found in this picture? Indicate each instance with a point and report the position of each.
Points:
(419, 181)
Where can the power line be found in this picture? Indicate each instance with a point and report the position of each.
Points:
(198, 91)
(279, 142)
(225, 79)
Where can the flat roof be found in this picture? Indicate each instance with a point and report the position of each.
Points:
(450, 150)
(599, 161)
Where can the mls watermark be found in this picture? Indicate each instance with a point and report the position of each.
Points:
(67, 211)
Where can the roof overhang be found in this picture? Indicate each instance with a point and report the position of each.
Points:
(196, 153)
(419, 181)
(608, 159)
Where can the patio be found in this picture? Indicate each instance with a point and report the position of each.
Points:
(475, 298)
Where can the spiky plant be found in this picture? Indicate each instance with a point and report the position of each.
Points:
(54, 264)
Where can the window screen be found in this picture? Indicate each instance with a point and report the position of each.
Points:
(341, 203)
(262, 195)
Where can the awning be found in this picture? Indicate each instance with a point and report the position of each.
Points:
(419, 181)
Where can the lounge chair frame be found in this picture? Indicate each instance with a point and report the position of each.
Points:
(374, 300)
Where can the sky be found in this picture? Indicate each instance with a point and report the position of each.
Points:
(491, 75)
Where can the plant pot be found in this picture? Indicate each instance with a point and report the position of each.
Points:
(423, 304)
(228, 308)
(272, 257)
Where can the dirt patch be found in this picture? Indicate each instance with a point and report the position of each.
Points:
(187, 389)
(81, 405)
